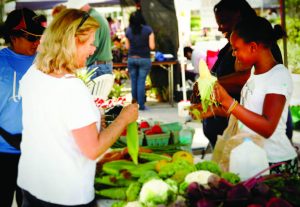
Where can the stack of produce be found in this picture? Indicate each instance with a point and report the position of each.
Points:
(265, 191)
(163, 180)
(156, 180)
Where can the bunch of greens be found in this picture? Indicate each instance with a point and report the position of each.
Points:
(85, 75)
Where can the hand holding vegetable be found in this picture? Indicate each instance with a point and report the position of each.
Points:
(129, 113)
(195, 97)
(197, 113)
(222, 96)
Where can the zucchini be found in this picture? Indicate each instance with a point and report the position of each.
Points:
(153, 156)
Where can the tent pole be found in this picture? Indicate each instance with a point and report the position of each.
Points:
(283, 24)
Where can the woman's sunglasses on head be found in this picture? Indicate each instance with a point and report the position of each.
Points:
(83, 19)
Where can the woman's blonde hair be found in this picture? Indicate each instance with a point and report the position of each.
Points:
(57, 51)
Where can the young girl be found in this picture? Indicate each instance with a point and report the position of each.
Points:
(266, 95)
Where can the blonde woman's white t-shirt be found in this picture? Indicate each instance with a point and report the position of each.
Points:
(276, 81)
(51, 166)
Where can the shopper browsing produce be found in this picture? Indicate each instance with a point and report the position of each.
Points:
(266, 95)
(61, 123)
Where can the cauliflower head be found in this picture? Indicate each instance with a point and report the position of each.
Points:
(200, 177)
(156, 191)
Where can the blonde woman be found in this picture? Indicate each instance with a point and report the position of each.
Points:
(61, 137)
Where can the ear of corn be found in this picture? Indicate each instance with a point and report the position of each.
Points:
(132, 138)
(206, 83)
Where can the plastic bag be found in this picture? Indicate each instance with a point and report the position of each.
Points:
(230, 131)
(230, 139)
(159, 56)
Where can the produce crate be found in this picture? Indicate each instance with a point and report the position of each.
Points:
(144, 129)
(141, 138)
(173, 126)
(175, 136)
(158, 139)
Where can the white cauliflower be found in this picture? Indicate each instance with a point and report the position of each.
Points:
(156, 191)
(201, 177)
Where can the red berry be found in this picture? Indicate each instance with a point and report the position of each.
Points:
(144, 124)
(156, 129)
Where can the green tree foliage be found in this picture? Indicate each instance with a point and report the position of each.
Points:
(293, 20)
(293, 32)
(293, 8)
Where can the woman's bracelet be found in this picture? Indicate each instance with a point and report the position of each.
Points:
(232, 106)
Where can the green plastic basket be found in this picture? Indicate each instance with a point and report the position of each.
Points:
(158, 139)
(175, 136)
(173, 126)
(141, 137)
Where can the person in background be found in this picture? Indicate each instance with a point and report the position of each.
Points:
(22, 35)
(62, 137)
(265, 97)
(112, 27)
(227, 14)
(42, 19)
(102, 57)
(230, 73)
(194, 57)
(118, 50)
(139, 41)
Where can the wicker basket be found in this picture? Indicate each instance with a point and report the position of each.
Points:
(158, 139)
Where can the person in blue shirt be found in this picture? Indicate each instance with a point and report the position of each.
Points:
(22, 32)
(139, 41)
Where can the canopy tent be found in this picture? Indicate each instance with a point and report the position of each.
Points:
(48, 4)
(38, 4)
(102, 3)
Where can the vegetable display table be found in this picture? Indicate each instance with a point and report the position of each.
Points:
(167, 65)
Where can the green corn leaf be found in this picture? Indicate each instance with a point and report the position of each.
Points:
(132, 138)
(206, 84)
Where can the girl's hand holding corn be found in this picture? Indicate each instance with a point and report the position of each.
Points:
(222, 97)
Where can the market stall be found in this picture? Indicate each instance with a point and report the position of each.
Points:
(154, 166)
(167, 65)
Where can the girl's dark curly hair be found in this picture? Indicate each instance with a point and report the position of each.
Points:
(259, 30)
